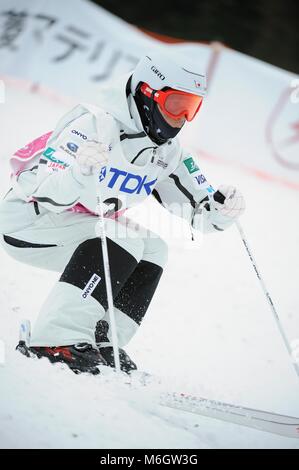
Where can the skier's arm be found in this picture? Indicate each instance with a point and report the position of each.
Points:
(65, 168)
(187, 193)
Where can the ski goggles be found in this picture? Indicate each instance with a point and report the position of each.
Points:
(174, 103)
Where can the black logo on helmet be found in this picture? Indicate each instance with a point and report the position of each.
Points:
(156, 71)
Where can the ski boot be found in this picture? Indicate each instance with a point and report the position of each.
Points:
(81, 357)
(126, 363)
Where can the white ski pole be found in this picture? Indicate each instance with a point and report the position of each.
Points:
(268, 297)
(102, 233)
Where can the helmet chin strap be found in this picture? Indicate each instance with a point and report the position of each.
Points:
(153, 122)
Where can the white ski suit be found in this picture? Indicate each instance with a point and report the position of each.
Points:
(48, 218)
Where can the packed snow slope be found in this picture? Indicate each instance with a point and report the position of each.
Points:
(209, 330)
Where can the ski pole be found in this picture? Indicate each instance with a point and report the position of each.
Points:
(266, 292)
(102, 233)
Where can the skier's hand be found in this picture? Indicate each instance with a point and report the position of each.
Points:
(92, 156)
(228, 201)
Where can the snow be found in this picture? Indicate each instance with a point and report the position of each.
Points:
(209, 330)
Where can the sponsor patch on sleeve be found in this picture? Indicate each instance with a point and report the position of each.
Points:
(53, 163)
(200, 179)
(48, 152)
(191, 165)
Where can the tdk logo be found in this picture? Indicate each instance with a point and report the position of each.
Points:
(90, 286)
(74, 131)
(156, 71)
(130, 183)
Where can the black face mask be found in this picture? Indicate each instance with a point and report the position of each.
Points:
(152, 120)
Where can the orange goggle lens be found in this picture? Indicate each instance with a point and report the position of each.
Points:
(182, 104)
(174, 103)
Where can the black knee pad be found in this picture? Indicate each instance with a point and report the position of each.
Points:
(85, 269)
(137, 293)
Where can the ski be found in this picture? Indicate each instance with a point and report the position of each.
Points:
(287, 426)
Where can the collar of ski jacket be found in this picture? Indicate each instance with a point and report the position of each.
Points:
(114, 99)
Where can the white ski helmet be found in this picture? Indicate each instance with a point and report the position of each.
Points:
(160, 70)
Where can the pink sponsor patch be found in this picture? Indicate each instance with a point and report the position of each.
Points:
(22, 156)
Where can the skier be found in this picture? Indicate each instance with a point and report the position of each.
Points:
(48, 218)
